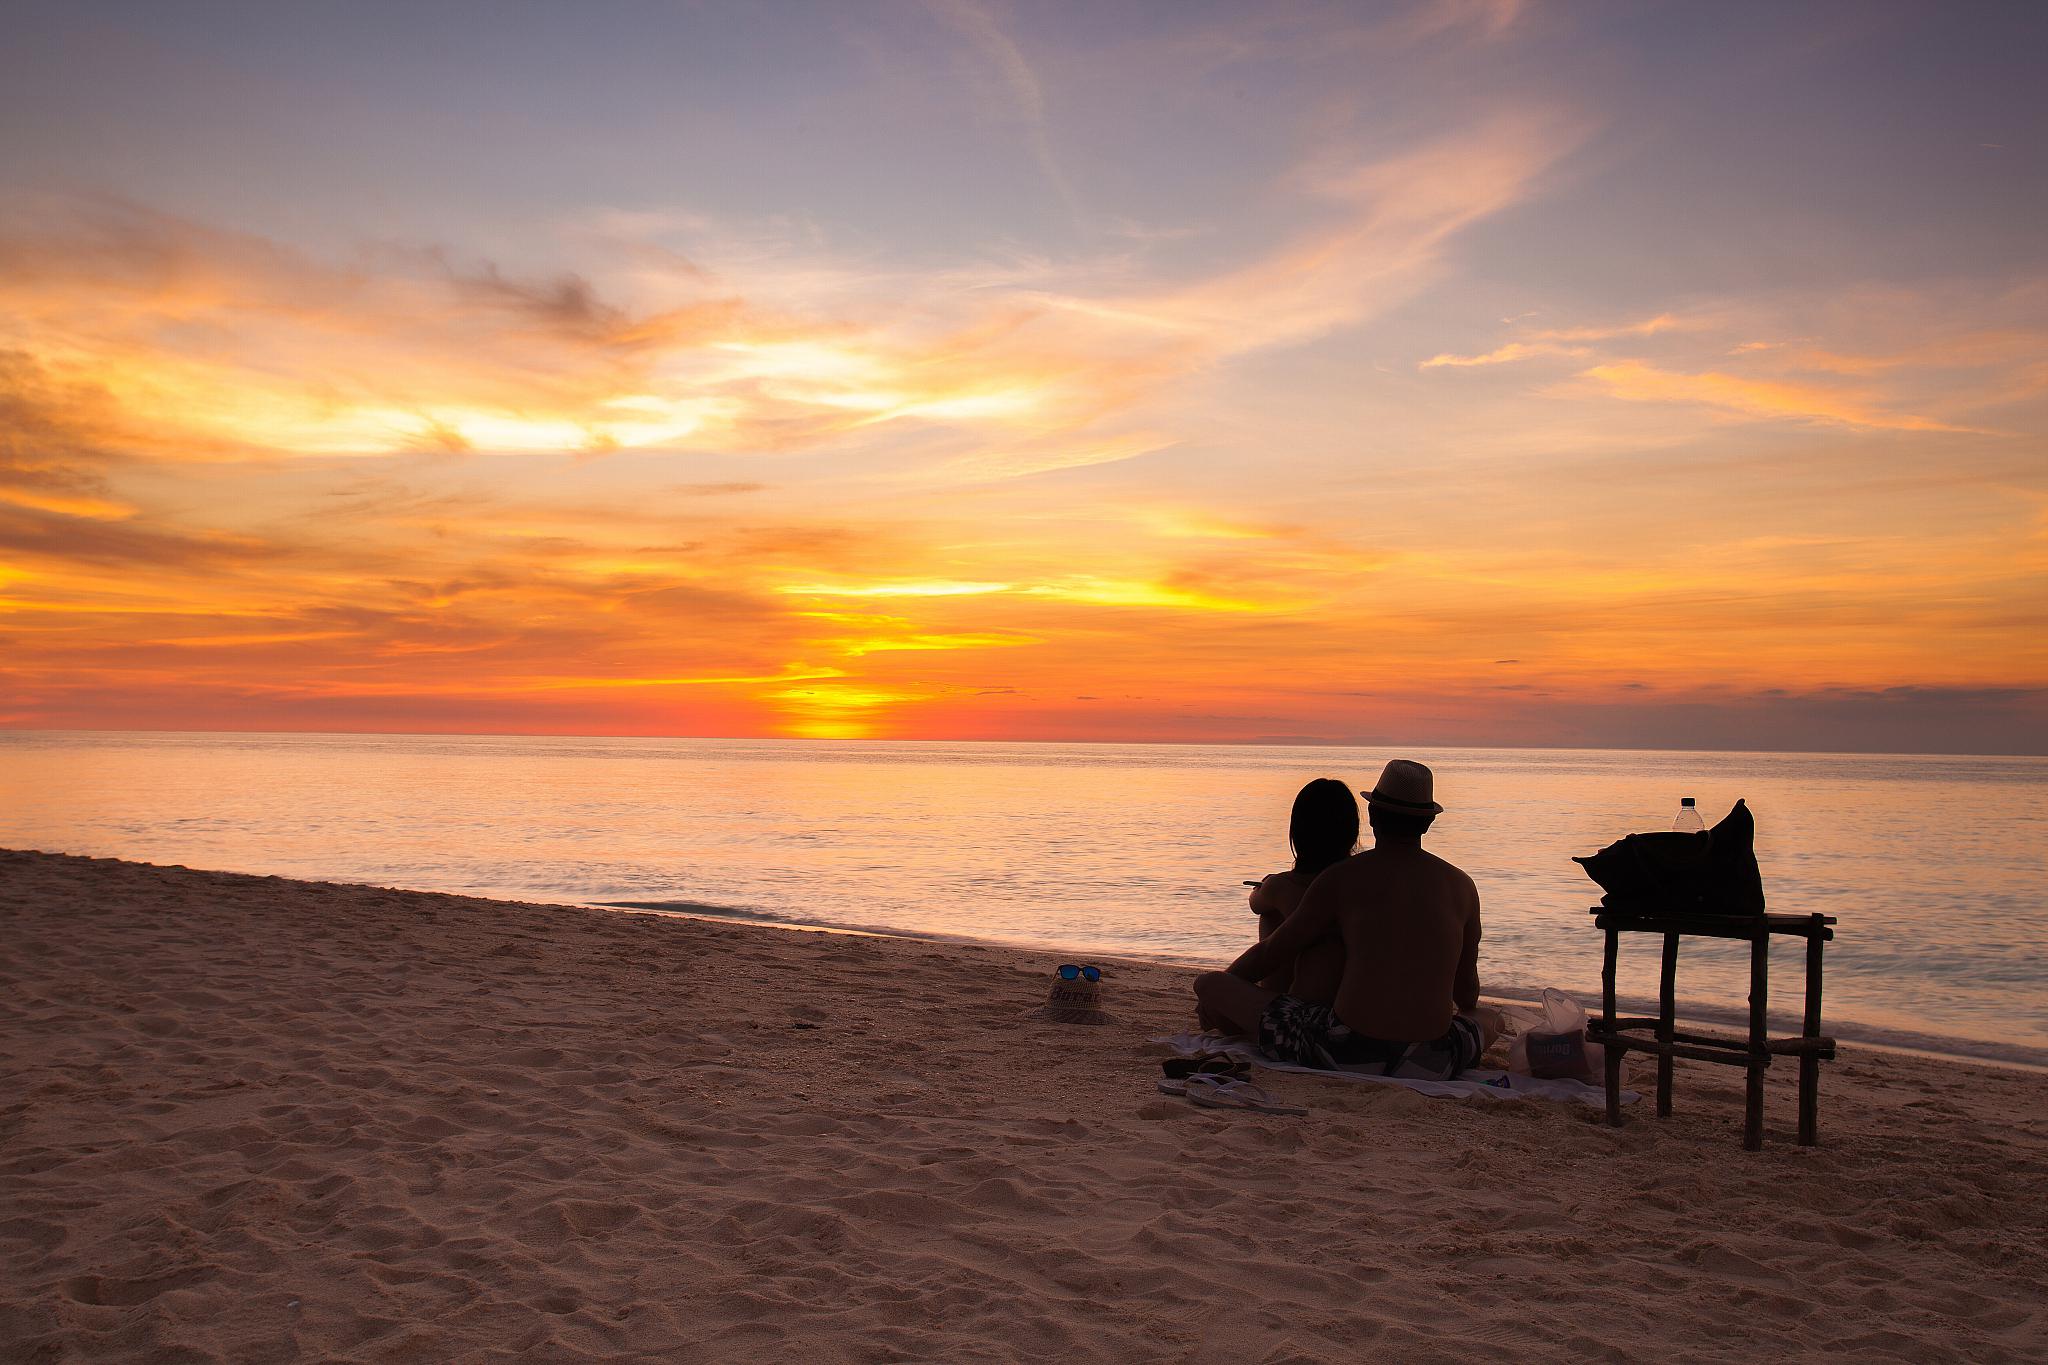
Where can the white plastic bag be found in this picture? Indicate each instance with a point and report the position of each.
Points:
(1555, 1046)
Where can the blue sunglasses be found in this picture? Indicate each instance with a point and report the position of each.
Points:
(1069, 972)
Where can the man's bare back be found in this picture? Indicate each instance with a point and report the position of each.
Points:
(1410, 925)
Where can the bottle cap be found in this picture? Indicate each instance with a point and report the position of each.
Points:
(1685, 800)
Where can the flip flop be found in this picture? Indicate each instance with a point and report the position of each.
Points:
(1175, 1082)
(1177, 1067)
(1224, 1092)
(1205, 1063)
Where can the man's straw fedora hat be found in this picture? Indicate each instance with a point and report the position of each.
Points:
(1405, 787)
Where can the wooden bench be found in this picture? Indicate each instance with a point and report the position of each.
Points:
(1621, 1036)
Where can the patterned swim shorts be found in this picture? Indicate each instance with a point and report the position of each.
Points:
(1312, 1035)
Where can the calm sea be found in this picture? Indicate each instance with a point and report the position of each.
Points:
(1936, 866)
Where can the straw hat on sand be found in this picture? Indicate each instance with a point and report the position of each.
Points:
(1074, 1002)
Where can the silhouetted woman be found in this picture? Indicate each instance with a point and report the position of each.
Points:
(1322, 830)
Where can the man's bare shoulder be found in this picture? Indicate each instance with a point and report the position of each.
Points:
(1460, 882)
(1449, 868)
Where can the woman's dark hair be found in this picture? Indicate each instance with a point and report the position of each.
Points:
(1323, 828)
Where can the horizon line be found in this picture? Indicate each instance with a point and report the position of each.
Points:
(1261, 743)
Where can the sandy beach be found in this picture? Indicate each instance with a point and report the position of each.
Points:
(249, 1119)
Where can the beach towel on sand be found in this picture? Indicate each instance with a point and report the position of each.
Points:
(1496, 1084)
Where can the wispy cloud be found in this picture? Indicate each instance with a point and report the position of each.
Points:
(1923, 386)
(1019, 87)
(1533, 343)
(1761, 398)
(1503, 355)
(1396, 218)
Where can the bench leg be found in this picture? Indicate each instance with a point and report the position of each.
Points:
(1667, 1022)
(1809, 1067)
(1759, 1053)
(1607, 1019)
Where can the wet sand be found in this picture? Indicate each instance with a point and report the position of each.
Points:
(253, 1119)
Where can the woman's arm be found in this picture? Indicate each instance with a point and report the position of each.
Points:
(1271, 900)
(1314, 917)
(1275, 896)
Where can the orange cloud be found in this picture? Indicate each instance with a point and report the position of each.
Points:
(1502, 355)
(68, 504)
(1918, 363)
(1637, 382)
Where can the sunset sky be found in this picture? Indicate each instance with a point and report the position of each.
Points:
(1458, 373)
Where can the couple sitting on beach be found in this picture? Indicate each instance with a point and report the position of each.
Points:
(1365, 960)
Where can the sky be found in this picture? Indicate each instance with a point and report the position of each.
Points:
(1622, 375)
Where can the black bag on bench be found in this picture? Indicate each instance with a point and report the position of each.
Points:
(1713, 872)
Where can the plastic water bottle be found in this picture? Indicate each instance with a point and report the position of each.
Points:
(1688, 821)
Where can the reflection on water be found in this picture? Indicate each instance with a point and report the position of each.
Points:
(1934, 865)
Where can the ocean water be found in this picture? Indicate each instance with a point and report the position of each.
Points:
(1937, 867)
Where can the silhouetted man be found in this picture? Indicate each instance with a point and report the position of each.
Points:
(1409, 922)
